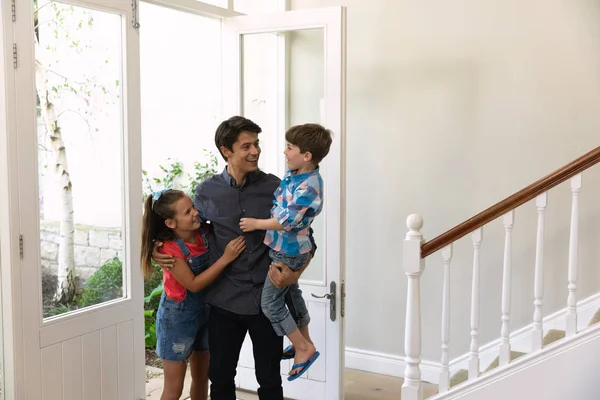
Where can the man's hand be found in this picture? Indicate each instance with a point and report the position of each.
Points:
(248, 224)
(165, 261)
(282, 276)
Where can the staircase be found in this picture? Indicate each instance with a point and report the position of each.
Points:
(546, 345)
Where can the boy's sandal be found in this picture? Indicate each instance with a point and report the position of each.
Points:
(305, 366)
(289, 353)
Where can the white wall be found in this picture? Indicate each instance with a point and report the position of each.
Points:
(453, 106)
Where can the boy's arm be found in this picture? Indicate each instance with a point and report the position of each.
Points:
(306, 197)
(253, 224)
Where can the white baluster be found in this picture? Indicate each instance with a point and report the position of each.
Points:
(444, 384)
(537, 334)
(476, 237)
(412, 389)
(573, 256)
(508, 220)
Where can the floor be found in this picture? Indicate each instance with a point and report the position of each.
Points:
(359, 386)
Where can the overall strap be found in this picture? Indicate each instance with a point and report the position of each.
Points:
(183, 247)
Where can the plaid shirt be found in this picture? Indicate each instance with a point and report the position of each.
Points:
(298, 200)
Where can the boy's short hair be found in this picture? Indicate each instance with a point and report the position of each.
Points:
(312, 138)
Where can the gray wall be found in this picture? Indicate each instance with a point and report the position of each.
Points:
(93, 247)
(453, 106)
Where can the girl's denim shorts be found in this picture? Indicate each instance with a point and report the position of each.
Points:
(181, 328)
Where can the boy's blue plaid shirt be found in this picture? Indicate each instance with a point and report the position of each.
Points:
(298, 200)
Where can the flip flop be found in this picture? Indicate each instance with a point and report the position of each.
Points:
(288, 353)
(305, 366)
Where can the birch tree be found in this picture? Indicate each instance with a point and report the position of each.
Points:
(62, 33)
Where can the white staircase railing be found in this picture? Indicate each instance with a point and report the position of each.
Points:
(415, 252)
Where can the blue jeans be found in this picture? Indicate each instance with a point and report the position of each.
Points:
(273, 299)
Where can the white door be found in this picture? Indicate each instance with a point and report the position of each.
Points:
(78, 176)
(280, 70)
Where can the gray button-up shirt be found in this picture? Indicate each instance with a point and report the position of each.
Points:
(222, 202)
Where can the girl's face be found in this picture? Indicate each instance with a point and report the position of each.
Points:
(186, 215)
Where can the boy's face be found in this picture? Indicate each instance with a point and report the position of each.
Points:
(245, 154)
(296, 159)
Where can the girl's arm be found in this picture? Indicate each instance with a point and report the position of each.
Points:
(195, 283)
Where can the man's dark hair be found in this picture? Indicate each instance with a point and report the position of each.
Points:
(229, 131)
(312, 138)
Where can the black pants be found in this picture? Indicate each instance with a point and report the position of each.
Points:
(226, 333)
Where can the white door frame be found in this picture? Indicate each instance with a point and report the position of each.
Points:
(12, 329)
(330, 19)
(25, 331)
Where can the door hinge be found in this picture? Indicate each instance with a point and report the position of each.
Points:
(13, 9)
(343, 300)
(15, 55)
(21, 246)
(134, 15)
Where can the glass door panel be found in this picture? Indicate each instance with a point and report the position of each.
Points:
(80, 120)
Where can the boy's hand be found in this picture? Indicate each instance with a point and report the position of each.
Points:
(248, 224)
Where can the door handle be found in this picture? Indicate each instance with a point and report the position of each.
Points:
(331, 298)
(325, 296)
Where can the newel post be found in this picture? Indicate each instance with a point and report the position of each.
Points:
(413, 267)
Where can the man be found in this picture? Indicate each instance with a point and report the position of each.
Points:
(241, 190)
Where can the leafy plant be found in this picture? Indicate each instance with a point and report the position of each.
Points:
(202, 171)
(106, 284)
(173, 172)
(151, 307)
(59, 309)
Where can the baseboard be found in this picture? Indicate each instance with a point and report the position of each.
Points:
(393, 365)
(388, 364)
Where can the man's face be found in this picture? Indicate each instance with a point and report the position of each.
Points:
(245, 154)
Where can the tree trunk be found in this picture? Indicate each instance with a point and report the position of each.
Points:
(65, 290)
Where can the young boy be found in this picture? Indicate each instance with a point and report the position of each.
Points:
(298, 200)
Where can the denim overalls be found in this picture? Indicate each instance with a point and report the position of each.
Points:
(182, 327)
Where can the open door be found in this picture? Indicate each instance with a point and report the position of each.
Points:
(280, 70)
(76, 203)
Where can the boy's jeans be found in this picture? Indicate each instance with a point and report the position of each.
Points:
(273, 299)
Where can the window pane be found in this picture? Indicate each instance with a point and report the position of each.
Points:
(80, 124)
(181, 97)
(261, 88)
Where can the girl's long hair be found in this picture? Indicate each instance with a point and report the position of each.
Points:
(156, 212)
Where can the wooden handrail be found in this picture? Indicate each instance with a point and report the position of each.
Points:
(510, 203)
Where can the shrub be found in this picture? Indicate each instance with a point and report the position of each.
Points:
(104, 285)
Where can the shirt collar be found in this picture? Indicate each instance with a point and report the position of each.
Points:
(300, 177)
(250, 178)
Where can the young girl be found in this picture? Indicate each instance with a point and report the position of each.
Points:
(181, 322)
